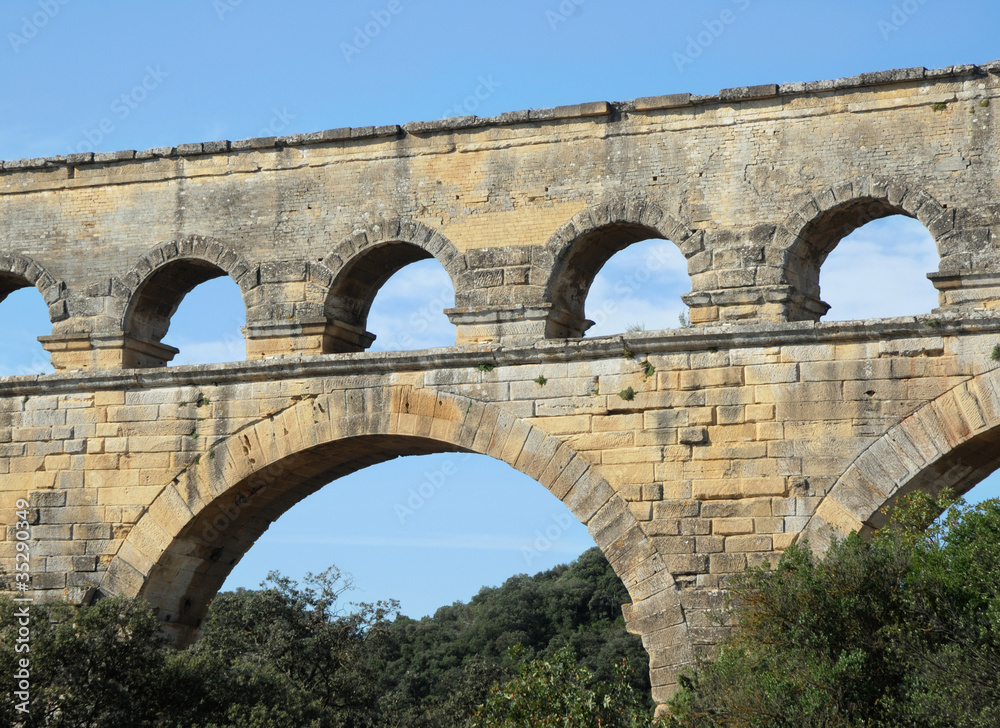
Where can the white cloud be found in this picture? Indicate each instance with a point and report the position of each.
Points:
(880, 270)
(408, 312)
(642, 285)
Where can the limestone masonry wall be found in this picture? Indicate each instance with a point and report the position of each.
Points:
(755, 186)
(690, 454)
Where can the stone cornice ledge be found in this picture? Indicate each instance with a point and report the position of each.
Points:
(728, 96)
(368, 364)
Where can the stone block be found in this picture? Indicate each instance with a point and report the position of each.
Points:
(732, 526)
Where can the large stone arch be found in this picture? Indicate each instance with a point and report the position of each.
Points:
(582, 246)
(19, 271)
(145, 298)
(363, 261)
(950, 442)
(199, 525)
(824, 218)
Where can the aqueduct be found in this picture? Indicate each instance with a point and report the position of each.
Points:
(689, 453)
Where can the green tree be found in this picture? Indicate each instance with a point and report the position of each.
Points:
(899, 630)
(953, 633)
(94, 667)
(445, 664)
(292, 654)
(558, 693)
(285, 655)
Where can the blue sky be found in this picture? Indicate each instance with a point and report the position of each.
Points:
(77, 76)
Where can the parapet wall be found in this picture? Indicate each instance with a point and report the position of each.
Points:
(755, 186)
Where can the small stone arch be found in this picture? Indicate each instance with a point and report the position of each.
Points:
(950, 442)
(19, 271)
(196, 529)
(822, 219)
(148, 295)
(581, 247)
(363, 261)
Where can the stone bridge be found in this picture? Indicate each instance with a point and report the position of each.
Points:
(690, 453)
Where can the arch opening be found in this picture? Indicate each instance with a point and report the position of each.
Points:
(440, 534)
(880, 271)
(412, 290)
(190, 537)
(427, 530)
(154, 304)
(820, 236)
(969, 469)
(409, 310)
(952, 441)
(25, 317)
(583, 260)
(210, 339)
(206, 550)
(639, 288)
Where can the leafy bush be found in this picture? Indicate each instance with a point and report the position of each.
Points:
(558, 693)
(93, 667)
(900, 630)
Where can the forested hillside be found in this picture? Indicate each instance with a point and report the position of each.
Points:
(294, 654)
(442, 666)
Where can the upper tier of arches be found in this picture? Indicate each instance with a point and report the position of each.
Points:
(515, 294)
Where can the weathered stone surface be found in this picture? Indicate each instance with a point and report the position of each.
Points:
(702, 451)
(521, 241)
